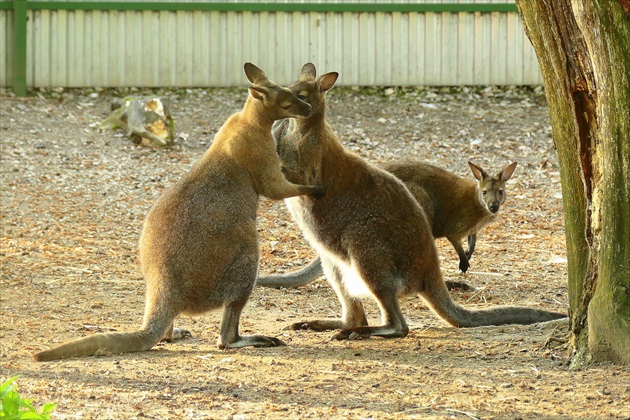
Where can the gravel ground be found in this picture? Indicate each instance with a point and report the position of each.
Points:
(73, 202)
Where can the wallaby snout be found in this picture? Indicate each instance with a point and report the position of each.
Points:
(304, 108)
(492, 194)
(291, 106)
(494, 204)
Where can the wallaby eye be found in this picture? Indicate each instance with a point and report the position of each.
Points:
(286, 106)
(500, 192)
(484, 192)
(301, 97)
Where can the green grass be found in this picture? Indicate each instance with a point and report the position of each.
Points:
(14, 407)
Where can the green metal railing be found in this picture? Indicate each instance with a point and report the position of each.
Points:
(21, 7)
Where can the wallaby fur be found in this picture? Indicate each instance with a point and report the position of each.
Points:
(455, 207)
(199, 244)
(372, 235)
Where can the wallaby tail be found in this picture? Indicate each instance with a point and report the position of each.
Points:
(304, 276)
(104, 343)
(442, 304)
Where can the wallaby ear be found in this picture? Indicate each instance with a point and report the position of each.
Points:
(479, 173)
(254, 74)
(308, 72)
(507, 172)
(258, 92)
(327, 81)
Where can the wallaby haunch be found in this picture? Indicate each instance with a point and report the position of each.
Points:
(373, 237)
(455, 207)
(199, 244)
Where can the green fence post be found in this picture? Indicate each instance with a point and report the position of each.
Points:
(20, 8)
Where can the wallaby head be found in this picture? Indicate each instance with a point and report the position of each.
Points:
(279, 101)
(491, 189)
(312, 89)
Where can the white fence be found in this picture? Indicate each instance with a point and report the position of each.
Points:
(79, 48)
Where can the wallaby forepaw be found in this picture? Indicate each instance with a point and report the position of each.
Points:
(318, 191)
(177, 334)
(460, 285)
(299, 326)
(314, 326)
(341, 335)
(351, 335)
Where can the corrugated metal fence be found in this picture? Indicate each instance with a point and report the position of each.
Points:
(159, 43)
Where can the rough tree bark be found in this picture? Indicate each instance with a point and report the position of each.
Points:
(583, 47)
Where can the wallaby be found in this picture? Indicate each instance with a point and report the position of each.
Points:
(455, 207)
(199, 244)
(371, 234)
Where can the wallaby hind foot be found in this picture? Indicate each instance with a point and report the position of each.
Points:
(394, 324)
(353, 324)
(353, 333)
(230, 337)
(253, 341)
(362, 333)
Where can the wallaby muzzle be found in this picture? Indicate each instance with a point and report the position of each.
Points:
(304, 108)
(494, 207)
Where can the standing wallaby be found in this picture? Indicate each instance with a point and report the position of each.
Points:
(199, 244)
(371, 234)
(455, 207)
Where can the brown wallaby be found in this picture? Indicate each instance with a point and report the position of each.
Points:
(455, 207)
(371, 234)
(199, 244)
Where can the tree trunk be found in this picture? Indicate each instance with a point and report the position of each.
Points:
(583, 48)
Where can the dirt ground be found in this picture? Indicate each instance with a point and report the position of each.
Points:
(73, 202)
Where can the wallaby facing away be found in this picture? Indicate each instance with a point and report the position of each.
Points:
(199, 244)
(455, 207)
(373, 237)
